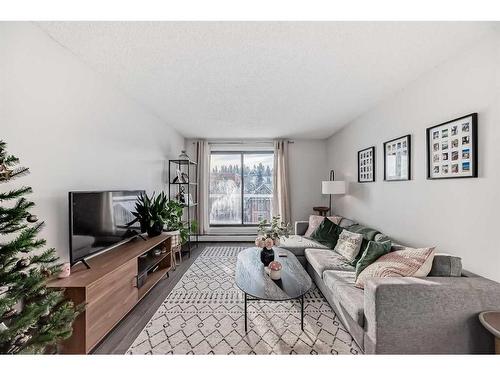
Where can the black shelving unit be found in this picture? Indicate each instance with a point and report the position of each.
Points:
(190, 168)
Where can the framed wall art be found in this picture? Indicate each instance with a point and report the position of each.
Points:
(452, 149)
(366, 165)
(397, 159)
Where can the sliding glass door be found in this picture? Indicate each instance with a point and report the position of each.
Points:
(241, 187)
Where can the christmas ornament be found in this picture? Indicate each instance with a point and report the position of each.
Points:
(22, 263)
(65, 271)
(32, 218)
(46, 272)
(5, 172)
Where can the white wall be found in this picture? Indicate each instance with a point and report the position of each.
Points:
(307, 165)
(73, 128)
(459, 216)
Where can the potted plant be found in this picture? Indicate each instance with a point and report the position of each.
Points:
(269, 234)
(150, 212)
(155, 212)
(173, 221)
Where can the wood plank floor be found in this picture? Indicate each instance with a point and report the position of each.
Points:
(124, 334)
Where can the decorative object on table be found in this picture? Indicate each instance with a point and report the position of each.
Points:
(274, 270)
(321, 210)
(332, 187)
(33, 318)
(491, 321)
(397, 159)
(366, 165)
(65, 271)
(183, 155)
(452, 149)
(400, 263)
(269, 234)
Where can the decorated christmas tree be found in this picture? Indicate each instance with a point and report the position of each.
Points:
(33, 318)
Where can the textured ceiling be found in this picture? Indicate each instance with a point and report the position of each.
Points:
(262, 79)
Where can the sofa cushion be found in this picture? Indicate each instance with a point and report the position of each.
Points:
(322, 260)
(405, 263)
(349, 244)
(350, 298)
(369, 234)
(316, 220)
(327, 233)
(373, 251)
(297, 244)
(445, 265)
(346, 223)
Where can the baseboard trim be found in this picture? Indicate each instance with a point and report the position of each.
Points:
(226, 238)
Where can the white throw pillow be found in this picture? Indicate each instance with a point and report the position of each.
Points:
(408, 262)
(349, 244)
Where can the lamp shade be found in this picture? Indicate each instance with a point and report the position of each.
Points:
(333, 187)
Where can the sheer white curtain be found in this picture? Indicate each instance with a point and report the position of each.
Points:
(203, 178)
(281, 188)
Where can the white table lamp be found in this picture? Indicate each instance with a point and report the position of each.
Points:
(333, 187)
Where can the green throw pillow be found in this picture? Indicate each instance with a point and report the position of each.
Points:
(327, 233)
(373, 251)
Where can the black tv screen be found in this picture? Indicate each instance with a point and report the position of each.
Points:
(98, 221)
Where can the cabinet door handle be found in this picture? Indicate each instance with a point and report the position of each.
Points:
(134, 281)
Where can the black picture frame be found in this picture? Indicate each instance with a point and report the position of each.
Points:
(470, 149)
(372, 165)
(395, 141)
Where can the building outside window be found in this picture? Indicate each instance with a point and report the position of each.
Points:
(241, 187)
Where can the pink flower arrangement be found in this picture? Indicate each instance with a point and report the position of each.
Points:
(270, 232)
(269, 243)
(263, 242)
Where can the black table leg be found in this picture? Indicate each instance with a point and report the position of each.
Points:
(245, 312)
(302, 312)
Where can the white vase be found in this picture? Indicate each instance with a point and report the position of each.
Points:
(176, 237)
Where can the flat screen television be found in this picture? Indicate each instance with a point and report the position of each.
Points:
(98, 221)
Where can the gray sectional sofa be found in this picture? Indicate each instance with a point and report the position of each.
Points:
(437, 314)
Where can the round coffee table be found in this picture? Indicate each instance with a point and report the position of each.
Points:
(256, 284)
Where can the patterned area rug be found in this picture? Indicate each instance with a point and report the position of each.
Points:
(204, 315)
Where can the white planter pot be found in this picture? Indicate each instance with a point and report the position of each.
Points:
(176, 237)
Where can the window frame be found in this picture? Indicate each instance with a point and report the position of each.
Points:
(242, 192)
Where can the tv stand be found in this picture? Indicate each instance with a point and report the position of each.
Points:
(110, 285)
(85, 263)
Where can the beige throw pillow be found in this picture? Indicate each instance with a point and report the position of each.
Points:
(316, 220)
(349, 244)
(401, 263)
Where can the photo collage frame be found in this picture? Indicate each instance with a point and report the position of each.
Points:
(452, 148)
(366, 165)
